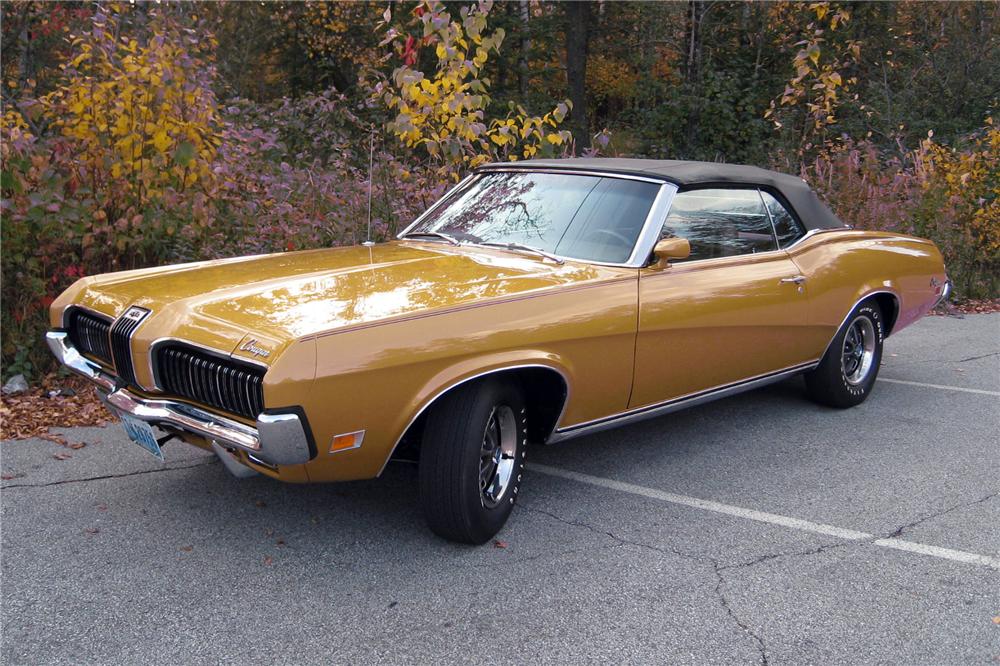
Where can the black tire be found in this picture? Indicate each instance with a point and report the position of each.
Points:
(837, 381)
(453, 465)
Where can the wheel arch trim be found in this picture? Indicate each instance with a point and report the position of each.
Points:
(868, 295)
(464, 379)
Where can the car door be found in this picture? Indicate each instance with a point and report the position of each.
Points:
(729, 312)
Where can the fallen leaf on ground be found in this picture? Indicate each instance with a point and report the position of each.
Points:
(996, 620)
(31, 414)
(187, 549)
(499, 544)
(8, 477)
(102, 507)
(76, 446)
(268, 560)
(92, 530)
(260, 504)
(968, 306)
(62, 455)
(55, 439)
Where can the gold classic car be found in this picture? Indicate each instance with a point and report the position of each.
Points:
(535, 302)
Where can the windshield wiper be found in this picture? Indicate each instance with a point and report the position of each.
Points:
(434, 234)
(525, 248)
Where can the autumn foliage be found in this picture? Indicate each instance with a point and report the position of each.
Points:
(136, 134)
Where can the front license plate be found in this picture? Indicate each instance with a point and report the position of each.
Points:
(142, 434)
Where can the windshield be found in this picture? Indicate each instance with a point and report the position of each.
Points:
(585, 217)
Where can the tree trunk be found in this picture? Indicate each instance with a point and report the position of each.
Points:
(696, 12)
(24, 60)
(577, 24)
(522, 60)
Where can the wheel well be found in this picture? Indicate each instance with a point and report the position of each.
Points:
(889, 305)
(545, 393)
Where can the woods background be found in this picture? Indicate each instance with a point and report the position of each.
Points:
(142, 134)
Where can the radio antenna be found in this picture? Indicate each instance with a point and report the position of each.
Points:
(371, 170)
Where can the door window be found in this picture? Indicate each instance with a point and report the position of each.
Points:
(720, 223)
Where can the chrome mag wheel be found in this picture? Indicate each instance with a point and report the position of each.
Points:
(496, 459)
(859, 350)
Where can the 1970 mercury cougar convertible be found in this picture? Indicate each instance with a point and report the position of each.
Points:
(535, 302)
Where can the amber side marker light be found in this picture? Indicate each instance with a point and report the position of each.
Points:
(347, 441)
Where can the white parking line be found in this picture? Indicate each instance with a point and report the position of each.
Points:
(771, 518)
(939, 386)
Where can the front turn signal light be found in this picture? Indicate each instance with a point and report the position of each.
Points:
(347, 441)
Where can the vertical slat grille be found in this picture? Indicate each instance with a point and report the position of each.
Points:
(89, 334)
(121, 347)
(223, 383)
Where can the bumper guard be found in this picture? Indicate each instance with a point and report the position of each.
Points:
(945, 293)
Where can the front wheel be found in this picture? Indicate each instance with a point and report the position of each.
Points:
(847, 373)
(472, 460)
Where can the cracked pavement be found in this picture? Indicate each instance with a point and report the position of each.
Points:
(110, 557)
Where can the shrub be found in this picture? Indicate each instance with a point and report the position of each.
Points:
(947, 194)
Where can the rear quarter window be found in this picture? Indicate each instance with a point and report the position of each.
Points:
(786, 227)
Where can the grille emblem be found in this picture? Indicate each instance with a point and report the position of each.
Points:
(255, 349)
(135, 314)
(121, 341)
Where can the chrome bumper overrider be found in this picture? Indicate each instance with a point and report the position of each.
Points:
(278, 439)
(945, 293)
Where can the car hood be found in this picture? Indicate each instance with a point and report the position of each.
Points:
(279, 298)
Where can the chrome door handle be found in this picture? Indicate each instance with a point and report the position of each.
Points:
(795, 279)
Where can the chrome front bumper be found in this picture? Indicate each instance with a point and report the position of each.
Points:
(278, 439)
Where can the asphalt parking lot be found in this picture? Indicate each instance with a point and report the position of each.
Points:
(758, 529)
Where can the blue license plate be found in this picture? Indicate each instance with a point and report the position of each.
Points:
(142, 434)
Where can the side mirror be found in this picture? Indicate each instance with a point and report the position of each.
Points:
(671, 248)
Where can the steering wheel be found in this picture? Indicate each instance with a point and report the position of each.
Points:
(624, 242)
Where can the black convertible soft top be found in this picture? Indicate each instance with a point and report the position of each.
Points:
(813, 213)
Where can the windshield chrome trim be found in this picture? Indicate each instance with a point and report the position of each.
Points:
(643, 247)
(653, 226)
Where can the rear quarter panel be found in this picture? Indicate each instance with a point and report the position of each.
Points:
(844, 266)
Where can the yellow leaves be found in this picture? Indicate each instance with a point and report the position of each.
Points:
(130, 108)
(161, 141)
(811, 97)
(820, 8)
(443, 111)
(813, 53)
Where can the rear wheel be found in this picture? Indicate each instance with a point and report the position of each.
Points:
(472, 460)
(847, 373)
